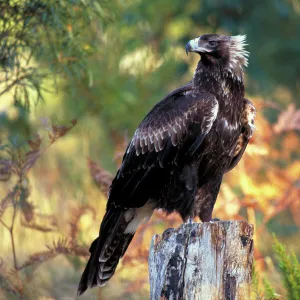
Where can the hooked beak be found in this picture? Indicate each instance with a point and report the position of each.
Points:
(195, 46)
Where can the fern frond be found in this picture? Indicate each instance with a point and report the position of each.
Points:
(290, 269)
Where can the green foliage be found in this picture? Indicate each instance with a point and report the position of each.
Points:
(273, 41)
(56, 33)
(139, 44)
(256, 290)
(261, 290)
(269, 290)
(43, 41)
(290, 270)
(289, 267)
(106, 63)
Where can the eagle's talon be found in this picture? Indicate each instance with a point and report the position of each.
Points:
(215, 220)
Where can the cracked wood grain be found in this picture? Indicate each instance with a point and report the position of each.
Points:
(205, 261)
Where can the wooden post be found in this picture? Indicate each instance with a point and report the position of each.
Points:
(206, 261)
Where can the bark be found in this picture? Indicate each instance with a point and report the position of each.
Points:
(203, 261)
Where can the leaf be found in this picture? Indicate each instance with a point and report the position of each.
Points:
(65, 246)
(60, 131)
(288, 120)
(27, 209)
(36, 259)
(35, 143)
(62, 246)
(290, 269)
(5, 169)
(101, 177)
(30, 159)
(40, 222)
(6, 202)
(77, 213)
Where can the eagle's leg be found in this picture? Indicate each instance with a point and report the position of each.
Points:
(206, 214)
(205, 217)
(208, 218)
(206, 199)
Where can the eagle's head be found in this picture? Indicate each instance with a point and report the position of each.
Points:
(227, 51)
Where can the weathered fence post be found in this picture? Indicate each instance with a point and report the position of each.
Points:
(202, 261)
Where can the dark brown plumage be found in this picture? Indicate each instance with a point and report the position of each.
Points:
(181, 149)
(248, 127)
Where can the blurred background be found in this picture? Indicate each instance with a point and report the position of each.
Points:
(76, 79)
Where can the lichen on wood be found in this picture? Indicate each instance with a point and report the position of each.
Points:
(203, 261)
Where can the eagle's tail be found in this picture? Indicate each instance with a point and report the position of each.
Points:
(107, 249)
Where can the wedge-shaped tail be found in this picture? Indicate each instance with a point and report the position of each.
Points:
(106, 250)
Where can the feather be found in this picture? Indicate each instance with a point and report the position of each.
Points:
(186, 142)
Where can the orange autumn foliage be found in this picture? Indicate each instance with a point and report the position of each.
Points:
(265, 184)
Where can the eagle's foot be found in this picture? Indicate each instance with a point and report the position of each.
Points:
(215, 220)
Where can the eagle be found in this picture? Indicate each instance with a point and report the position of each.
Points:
(179, 153)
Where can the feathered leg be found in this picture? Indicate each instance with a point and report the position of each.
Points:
(206, 199)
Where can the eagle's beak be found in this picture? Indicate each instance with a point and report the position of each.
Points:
(196, 45)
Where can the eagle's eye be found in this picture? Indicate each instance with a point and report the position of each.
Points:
(213, 43)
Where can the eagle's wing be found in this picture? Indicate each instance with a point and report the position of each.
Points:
(176, 125)
(248, 117)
